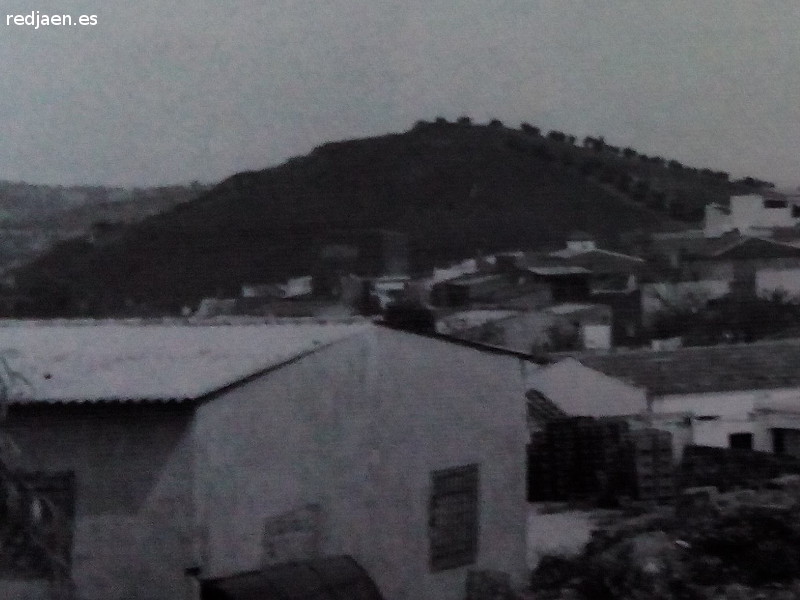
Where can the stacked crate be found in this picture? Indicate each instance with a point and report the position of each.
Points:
(652, 462)
(540, 472)
(616, 466)
(578, 457)
(570, 445)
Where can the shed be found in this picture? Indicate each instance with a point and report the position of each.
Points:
(209, 452)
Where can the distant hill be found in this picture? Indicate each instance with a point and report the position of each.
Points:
(34, 217)
(454, 188)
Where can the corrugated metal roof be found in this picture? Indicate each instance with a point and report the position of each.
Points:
(102, 362)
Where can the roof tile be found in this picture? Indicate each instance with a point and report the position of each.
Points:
(739, 367)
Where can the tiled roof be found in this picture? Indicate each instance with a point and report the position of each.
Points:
(747, 247)
(739, 367)
(733, 245)
(68, 362)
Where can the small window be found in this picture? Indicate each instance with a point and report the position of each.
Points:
(741, 441)
(795, 211)
(453, 519)
(45, 505)
(775, 203)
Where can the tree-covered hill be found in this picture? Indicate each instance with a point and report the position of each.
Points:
(454, 188)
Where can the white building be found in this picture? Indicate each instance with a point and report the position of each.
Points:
(742, 395)
(751, 213)
(202, 455)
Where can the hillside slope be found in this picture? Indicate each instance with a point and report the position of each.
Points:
(35, 217)
(453, 188)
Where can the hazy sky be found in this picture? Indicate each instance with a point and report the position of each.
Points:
(172, 91)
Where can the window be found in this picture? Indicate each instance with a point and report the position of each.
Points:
(786, 441)
(775, 203)
(795, 211)
(741, 441)
(453, 518)
(39, 519)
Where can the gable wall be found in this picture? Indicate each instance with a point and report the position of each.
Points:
(356, 429)
(132, 464)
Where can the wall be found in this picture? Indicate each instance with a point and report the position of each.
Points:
(581, 245)
(717, 221)
(768, 420)
(458, 406)
(710, 270)
(715, 433)
(596, 337)
(536, 330)
(357, 429)
(749, 211)
(132, 463)
(26, 590)
(769, 273)
(769, 281)
(683, 295)
(626, 315)
(523, 332)
(720, 404)
(735, 412)
(277, 444)
(680, 426)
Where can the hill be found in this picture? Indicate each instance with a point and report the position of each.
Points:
(34, 217)
(454, 188)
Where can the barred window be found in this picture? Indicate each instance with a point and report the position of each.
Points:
(773, 203)
(39, 511)
(453, 519)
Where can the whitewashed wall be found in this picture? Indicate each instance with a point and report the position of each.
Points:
(357, 429)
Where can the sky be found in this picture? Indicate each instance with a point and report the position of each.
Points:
(164, 92)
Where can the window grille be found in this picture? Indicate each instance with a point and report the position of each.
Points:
(453, 525)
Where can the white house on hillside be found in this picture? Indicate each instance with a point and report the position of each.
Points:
(750, 213)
